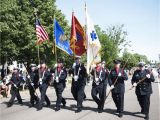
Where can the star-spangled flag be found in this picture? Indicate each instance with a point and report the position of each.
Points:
(93, 44)
(41, 34)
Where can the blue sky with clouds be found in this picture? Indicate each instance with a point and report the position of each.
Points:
(140, 17)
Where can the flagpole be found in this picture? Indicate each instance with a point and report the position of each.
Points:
(86, 26)
(6, 64)
(54, 38)
(55, 49)
(86, 34)
(73, 23)
(74, 40)
(35, 12)
(86, 38)
(38, 56)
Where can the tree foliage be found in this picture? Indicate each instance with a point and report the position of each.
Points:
(132, 60)
(112, 41)
(18, 38)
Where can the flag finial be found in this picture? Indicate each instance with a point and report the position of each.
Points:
(85, 6)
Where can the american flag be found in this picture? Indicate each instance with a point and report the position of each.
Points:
(40, 33)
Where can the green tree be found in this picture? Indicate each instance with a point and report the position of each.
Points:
(112, 42)
(132, 60)
(128, 59)
(18, 38)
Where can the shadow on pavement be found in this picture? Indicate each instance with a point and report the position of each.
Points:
(113, 112)
(90, 108)
(86, 99)
(72, 107)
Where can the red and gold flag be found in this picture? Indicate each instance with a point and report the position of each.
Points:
(77, 39)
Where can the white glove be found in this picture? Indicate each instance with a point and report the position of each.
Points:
(75, 77)
(32, 84)
(28, 76)
(55, 65)
(148, 76)
(38, 66)
(135, 84)
(52, 74)
(15, 85)
(97, 79)
(119, 74)
(112, 86)
(74, 65)
(57, 79)
(40, 81)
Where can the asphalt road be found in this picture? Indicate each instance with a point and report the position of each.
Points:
(131, 107)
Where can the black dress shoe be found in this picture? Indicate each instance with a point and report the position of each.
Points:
(146, 117)
(39, 107)
(100, 110)
(21, 103)
(9, 104)
(31, 105)
(57, 108)
(78, 110)
(120, 115)
(37, 102)
(48, 105)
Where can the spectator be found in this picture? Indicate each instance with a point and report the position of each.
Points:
(3, 88)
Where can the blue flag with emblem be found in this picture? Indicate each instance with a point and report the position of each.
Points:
(61, 39)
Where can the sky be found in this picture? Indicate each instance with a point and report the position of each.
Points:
(141, 19)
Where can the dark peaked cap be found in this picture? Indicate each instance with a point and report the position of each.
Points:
(141, 64)
(42, 62)
(32, 65)
(78, 57)
(60, 60)
(116, 61)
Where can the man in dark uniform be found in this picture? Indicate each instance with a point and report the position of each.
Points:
(143, 88)
(78, 82)
(15, 82)
(60, 76)
(32, 80)
(44, 80)
(118, 88)
(99, 85)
